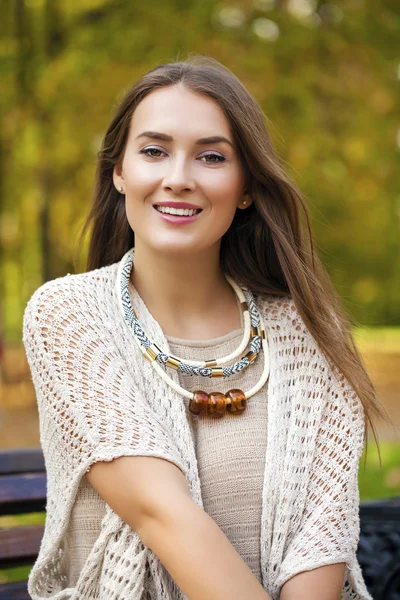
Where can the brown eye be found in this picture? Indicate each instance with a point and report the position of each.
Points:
(218, 158)
(147, 151)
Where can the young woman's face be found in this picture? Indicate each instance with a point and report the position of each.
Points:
(180, 149)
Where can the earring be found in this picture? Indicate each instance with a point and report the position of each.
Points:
(121, 189)
(244, 201)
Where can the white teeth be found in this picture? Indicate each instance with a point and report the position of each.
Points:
(183, 212)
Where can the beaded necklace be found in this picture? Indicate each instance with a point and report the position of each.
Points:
(201, 403)
(209, 368)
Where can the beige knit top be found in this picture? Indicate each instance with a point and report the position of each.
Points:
(231, 460)
(99, 400)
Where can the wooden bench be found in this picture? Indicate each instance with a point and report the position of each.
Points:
(379, 548)
(23, 490)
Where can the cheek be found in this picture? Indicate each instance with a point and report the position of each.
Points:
(130, 212)
(139, 175)
(225, 189)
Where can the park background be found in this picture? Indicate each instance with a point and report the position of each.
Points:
(326, 74)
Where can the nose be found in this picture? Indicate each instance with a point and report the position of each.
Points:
(178, 177)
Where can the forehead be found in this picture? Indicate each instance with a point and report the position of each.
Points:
(177, 109)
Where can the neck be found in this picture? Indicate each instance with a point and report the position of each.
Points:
(187, 294)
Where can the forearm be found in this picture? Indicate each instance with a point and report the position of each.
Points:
(199, 557)
(322, 583)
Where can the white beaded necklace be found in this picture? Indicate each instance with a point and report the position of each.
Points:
(214, 403)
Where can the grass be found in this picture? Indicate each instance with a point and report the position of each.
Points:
(19, 573)
(14, 575)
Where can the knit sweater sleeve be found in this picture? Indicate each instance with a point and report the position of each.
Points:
(328, 439)
(90, 410)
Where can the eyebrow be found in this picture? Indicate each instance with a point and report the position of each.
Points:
(156, 135)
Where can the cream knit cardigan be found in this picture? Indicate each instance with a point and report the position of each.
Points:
(98, 398)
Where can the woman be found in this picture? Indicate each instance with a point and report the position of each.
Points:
(165, 480)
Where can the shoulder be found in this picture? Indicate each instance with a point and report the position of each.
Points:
(292, 343)
(280, 312)
(81, 293)
(78, 288)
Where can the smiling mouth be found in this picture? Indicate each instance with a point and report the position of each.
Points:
(177, 212)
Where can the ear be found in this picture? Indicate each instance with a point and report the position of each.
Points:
(245, 201)
(118, 177)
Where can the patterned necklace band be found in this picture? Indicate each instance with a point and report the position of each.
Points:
(215, 404)
(210, 368)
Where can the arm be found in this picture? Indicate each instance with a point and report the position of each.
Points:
(152, 496)
(323, 583)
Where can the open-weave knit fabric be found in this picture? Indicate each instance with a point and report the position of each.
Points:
(99, 399)
(230, 457)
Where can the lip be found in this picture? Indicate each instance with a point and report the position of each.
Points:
(177, 205)
(176, 219)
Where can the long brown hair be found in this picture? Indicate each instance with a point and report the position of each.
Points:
(269, 246)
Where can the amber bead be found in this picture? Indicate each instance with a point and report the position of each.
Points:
(235, 401)
(198, 405)
(216, 404)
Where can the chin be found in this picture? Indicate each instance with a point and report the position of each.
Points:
(178, 250)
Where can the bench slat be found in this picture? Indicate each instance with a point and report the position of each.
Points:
(14, 591)
(22, 493)
(19, 545)
(21, 460)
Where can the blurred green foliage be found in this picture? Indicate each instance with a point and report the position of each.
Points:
(376, 481)
(325, 73)
(378, 339)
